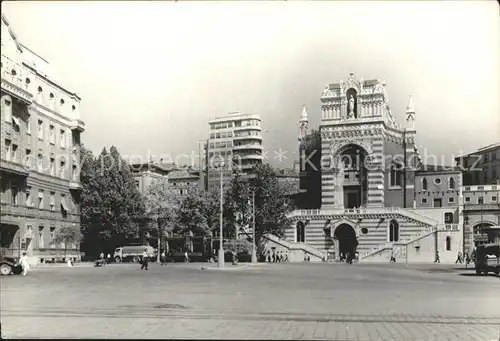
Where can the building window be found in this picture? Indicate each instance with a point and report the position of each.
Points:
(137, 184)
(396, 175)
(480, 200)
(40, 162)
(300, 233)
(451, 183)
(424, 184)
(52, 201)
(424, 200)
(52, 167)
(40, 237)
(16, 124)
(448, 218)
(52, 235)
(8, 149)
(467, 199)
(28, 197)
(52, 137)
(448, 243)
(74, 173)
(14, 191)
(40, 129)
(494, 198)
(393, 231)
(14, 153)
(451, 200)
(28, 126)
(8, 110)
(64, 206)
(40, 199)
(62, 169)
(63, 139)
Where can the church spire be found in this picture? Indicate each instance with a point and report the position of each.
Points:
(304, 123)
(410, 113)
(303, 117)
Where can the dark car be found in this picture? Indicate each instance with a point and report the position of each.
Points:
(8, 265)
(488, 259)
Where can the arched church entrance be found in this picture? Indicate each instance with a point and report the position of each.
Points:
(346, 240)
(354, 178)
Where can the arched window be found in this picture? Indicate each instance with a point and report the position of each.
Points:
(448, 243)
(300, 232)
(393, 231)
(396, 174)
(451, 183)
(424, 184)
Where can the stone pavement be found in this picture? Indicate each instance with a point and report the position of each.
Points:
(268, 301)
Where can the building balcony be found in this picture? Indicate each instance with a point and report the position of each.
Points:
(13, 210)
(248, 157)
(254, 146)
(248, 137)
(78, 125)
(75, 185)
(16, 91)
(248, 127)
(33, 212)
(14, 167)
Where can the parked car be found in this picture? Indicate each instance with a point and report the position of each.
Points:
(488, 259)
(9, 265)
(133, 253)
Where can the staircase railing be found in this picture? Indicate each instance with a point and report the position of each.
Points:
(295, 245)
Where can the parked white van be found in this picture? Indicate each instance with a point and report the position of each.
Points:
(132, 253)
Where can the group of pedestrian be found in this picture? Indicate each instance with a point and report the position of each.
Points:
(276, 257)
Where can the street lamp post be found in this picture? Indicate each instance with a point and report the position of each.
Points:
(221, 247)
(254, 251)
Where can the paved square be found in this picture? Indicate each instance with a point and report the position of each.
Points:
(266, 301)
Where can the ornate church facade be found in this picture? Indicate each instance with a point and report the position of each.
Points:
(378, 198)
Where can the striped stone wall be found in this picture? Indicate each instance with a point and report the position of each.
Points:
(377, 233)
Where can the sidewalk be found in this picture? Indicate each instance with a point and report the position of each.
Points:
(229, 266)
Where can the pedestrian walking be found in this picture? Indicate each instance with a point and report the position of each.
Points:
(101, 256)
(163, 258)
(109, 258)
(145, 260)
(437, 260)
(23, 261)
(393, 258)
(186, 257)
(459, 258)
(286, 257)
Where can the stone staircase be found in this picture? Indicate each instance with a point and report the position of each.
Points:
(291, 246)
(382, 251)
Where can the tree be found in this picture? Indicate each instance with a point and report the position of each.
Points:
(112, 207)
(67, 235)
(160, 204)
(272, 204)
(198, 211)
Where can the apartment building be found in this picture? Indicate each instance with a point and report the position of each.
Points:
(40, 153)
(180, 178)
(481, 167)
(236, 142)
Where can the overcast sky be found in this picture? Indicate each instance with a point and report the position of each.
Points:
(152, 74)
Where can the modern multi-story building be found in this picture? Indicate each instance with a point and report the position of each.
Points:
(40, 158)
(481, 167)
(235, 140)
(377, 196)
